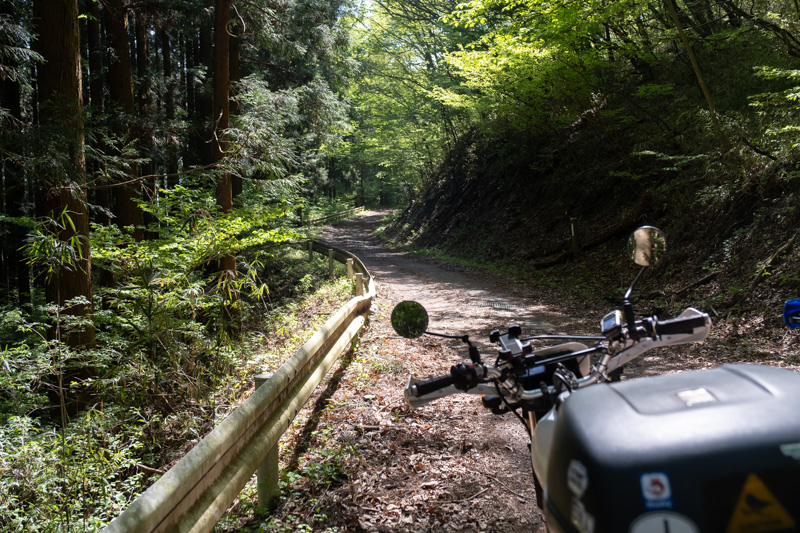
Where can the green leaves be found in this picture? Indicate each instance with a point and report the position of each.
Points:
(46, 249)
(49, 480)
(166, 280)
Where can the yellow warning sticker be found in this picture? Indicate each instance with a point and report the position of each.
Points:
(758, 511)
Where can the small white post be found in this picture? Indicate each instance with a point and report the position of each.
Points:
(359, 284)
(349, 268)
(576, 246)
(268, 470)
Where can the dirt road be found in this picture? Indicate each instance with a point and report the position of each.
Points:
(457, 300)
(451, 465)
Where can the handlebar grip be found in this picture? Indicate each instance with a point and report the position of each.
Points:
(432, 385)
(677, 326)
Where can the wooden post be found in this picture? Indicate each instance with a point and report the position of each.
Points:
(268, 470)
(330, 262)
(310, 251)
(576, 246)
(349, 268)
(359, 284)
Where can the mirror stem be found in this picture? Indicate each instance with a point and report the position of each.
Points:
(627, 307)
(635, 281)
(474, 354)
(462, 338)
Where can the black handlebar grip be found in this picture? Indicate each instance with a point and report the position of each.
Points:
(433, 384)
(676, 326)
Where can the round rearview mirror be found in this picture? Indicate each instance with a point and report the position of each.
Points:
(409, 319)
(647, 245)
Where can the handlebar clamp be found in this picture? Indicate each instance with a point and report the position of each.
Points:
(465, 376)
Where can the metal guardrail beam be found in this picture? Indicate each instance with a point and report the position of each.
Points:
(320, 220)
(192, 495)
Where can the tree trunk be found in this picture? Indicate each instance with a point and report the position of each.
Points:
(145, 108)
(191, 154)
(190, 48)
(95, 59)
(83, 44)
(143, 80)
(169, 109)
(203, 97)
(11, 260)
(235, 77)
(102, 194)
(222, 115)
(120, 88)
(221, 98)
(59, 84)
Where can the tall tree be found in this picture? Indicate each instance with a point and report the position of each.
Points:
(145, 111)
(169, 107)
(222, 119)
(120, 88)
(59, 83)
(235, 77)
(13, 187)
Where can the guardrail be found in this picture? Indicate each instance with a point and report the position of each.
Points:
(336, 216)
(194, 494)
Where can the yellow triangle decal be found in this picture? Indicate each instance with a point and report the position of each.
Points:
(758, 511)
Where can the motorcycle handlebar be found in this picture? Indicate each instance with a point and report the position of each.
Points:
(677, 326)
(684, 325)
(431, 385)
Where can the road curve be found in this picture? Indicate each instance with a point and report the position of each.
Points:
(451, 465)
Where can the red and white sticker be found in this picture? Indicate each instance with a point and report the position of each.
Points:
(656, 490)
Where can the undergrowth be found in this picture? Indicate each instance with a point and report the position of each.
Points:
(76, 471)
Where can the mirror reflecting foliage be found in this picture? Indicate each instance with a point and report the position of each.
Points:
(647, 245)
(409, 319)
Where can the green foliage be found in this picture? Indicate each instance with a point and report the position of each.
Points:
(170, 326)
(403, 124)
(48, 251)
(526, 74)
(81, 474)
(23, 366)
(58, 481)
(778, 109)
(14, 52)
(168, 294)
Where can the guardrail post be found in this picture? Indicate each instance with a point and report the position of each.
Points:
(268, 470)
(576, 244)
(330, 262)
(359, 284)
(349, 268)
(310, 251)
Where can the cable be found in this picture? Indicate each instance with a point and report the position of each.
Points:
(508, 405)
